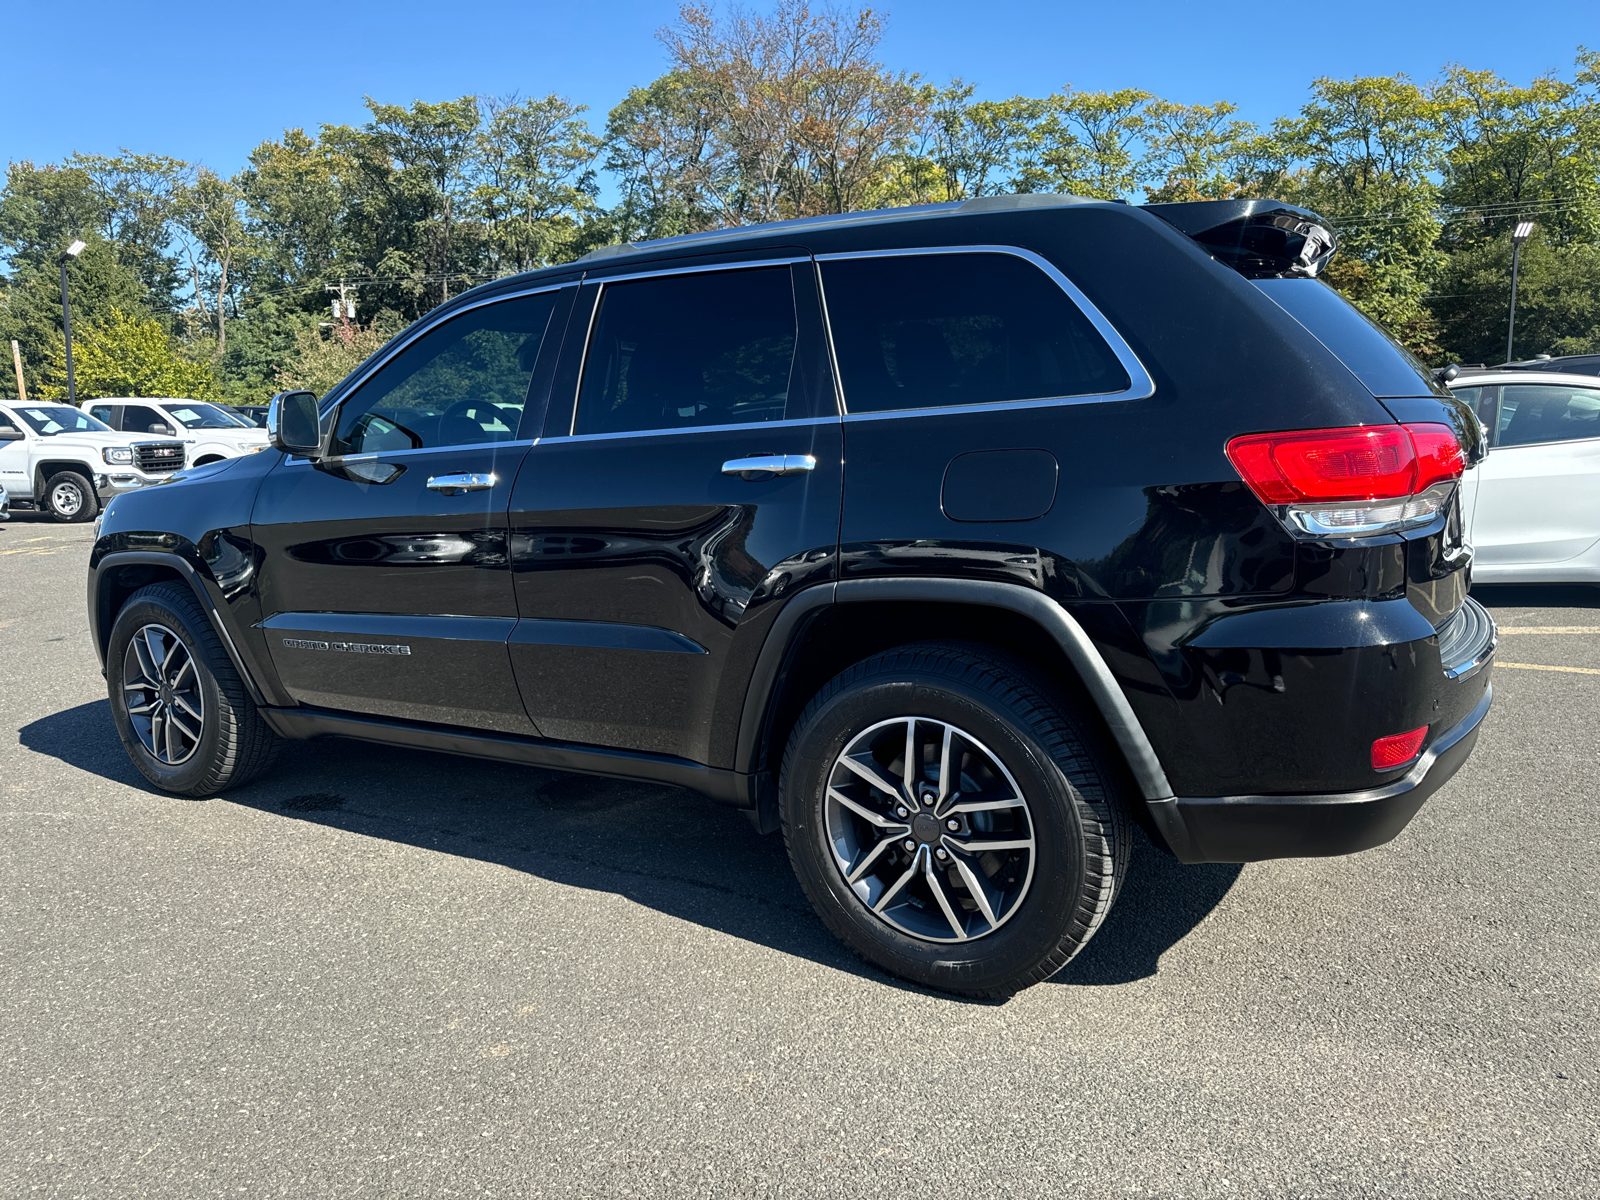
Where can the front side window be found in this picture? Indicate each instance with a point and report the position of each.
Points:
(1534, 413)
(462, 383)
(681, 351)
(205, 416)
(51, 419)
(936, 330)
(141, 418)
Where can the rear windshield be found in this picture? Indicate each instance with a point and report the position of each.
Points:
(1384, 367)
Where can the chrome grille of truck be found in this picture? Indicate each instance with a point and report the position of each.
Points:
(153, 458)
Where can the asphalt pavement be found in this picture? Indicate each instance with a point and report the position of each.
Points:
(394, 974)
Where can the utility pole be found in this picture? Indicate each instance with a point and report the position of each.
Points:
(1523, 232)
(66, 256)
(16, 361)
(344, 309)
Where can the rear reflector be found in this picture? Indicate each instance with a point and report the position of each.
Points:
(1397, 749)
(1353, 481)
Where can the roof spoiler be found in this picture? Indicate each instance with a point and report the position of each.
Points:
(1260, 239)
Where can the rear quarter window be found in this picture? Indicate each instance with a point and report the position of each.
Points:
(940, 330)
(1384, 367)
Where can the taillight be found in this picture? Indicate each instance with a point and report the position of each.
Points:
(1351, 482)
(1397, 749)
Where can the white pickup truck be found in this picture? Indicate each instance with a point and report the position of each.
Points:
(209, 432)
(62, 461)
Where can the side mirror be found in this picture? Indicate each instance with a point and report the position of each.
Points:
(161, 430)
(10, 435)
(293, 425)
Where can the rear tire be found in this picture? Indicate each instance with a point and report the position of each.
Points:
(215, 738)
(1049, 841)
(69, 498)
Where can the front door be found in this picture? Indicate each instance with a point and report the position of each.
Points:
(386, 582)
(1539, 490)
(14, 458)
(649, 559)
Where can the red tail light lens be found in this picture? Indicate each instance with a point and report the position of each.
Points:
(1397, 749)
(1351, 481)
(1439, 457)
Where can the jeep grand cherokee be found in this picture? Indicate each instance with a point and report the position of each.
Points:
(951, 541)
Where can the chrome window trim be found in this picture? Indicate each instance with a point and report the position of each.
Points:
(698, 269)
(796, 423)
(420, 329)
(703, 269)
(1140, 385)
(389, 455)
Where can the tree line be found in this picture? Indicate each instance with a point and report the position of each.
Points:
(292, 270)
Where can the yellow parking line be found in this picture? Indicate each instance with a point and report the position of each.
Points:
(1550, 629)
(1538, 667)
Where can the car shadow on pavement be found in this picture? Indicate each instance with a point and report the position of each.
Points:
(1537, 595)
(671, 850)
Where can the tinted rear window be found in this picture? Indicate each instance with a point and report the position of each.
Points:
(1383, 366)
(935, 330)
(683, 351)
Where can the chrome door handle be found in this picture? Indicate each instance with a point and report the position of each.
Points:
(771, 464)
(451, 484)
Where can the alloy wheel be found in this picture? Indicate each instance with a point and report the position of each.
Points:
(929, 830)
(161, 688)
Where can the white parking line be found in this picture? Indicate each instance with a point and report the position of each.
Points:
(1550, 629)
(1538, 667)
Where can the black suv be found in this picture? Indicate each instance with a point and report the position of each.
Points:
(950, 540)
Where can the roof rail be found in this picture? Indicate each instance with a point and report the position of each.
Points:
(954, 208)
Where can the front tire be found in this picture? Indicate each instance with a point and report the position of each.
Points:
(990, 862)
(180, 708)
(69, 497)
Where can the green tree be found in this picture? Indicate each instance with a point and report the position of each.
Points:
(1085, 143)
(125, 355)
(536, 184)
(294, 206)
(1515, 152)
(1197, 151)
(1558, 300)
(319, 361)
(1369, 148)
(761, 118)
(42, 209)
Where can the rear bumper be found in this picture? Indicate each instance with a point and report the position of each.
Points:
(1252, 828)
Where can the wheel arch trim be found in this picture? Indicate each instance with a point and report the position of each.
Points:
(100, 620)
(1068, 634)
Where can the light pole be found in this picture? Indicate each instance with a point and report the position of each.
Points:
(1522, 233)
(66, 256)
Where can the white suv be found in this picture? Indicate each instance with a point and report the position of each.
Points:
(60, 460)
(210, 432)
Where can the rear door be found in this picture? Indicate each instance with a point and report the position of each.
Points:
(386, 580)
(971, 383)
(648, 565)
(1539, 489)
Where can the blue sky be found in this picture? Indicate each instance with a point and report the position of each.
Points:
(207, 82)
